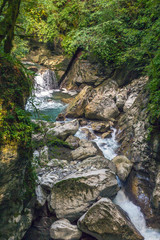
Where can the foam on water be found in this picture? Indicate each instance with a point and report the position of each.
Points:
(108, 147)
(42, 97)
(136, 216)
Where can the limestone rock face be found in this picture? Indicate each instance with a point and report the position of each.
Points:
(64, 230)
(82, 72)
(72, 196)
(12, 169)
(86, 149)
(63, 130)
(130, 101)
(106, 221)
(123, 166)
(101, 107)
(41, 196)
(156, 193)
(77, 107)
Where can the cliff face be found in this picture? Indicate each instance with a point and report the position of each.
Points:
(15, 151)
(143, 183)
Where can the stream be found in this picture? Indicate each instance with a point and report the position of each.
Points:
(47, 99)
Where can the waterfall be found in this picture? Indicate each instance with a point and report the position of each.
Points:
(45, 87)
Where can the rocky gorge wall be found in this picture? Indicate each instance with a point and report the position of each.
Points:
(15, 154)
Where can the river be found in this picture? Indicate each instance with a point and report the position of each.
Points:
(46, 98)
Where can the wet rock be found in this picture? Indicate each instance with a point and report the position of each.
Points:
(72, 196)
(107, 134)
(139, 189)
(100, 127)
(64, 230)
(63, 130)
(86, 149)
(106, 221)
(73, 141)
(89, 135)
(123, 166)
(83, 122)
(61, 117)
(156, 192)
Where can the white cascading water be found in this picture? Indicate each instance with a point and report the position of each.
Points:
(108, 147)
(42, 96)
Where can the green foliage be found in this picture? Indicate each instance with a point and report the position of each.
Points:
(16, 86)
(154, 89)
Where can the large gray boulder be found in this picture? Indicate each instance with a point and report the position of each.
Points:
(63, 130)
(86, 149)
(97, 162)
(71, 197)
(106, 221)
(123, 166)
(64, 230)
(102, 107)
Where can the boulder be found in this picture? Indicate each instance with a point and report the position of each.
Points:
(106, 221)
(102, 107)
(123, 166)
(100, 127)
(86, 149)
(63, 130)
(71, 197)
(77, 106)
(107, 134)
(64, 230)
(47, 180)
(73, 141)
(89, 135)
(97, 162)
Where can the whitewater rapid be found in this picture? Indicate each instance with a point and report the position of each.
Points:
(108, 147)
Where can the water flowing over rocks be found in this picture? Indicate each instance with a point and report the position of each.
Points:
(64, 230)
(123, 166)
(71, 184)
(106, 221)
(72, 196)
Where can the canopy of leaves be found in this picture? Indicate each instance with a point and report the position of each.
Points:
(113, 32)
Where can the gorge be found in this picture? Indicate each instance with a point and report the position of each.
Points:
(79, 120)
